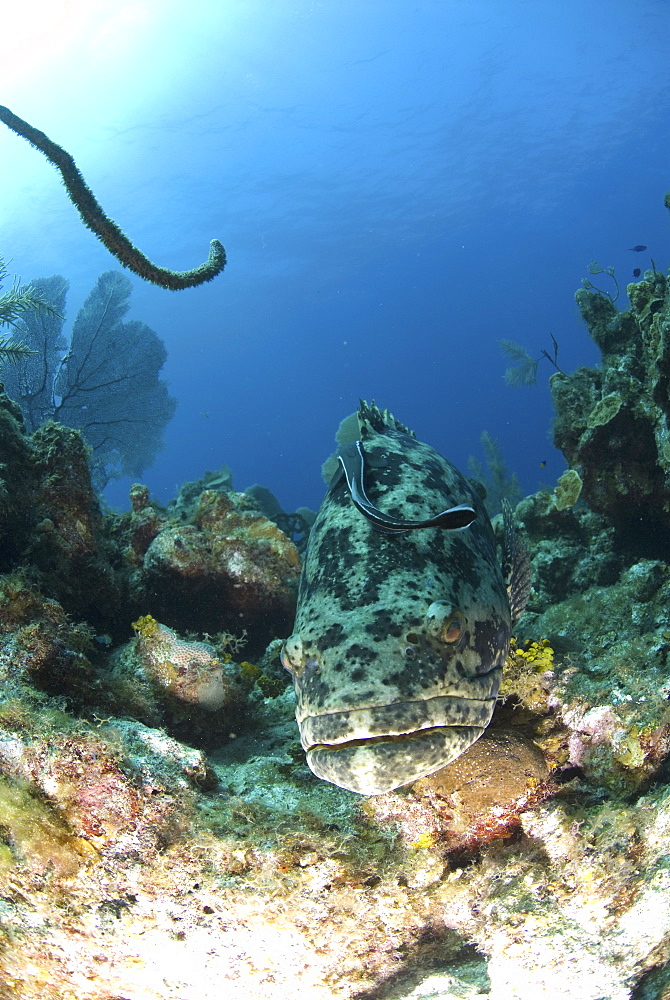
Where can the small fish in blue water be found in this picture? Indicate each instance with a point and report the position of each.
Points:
(404, 613)
(637, 272)
(543, 463)
(638, 249)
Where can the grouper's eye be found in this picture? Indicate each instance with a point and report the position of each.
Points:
(445, 622)
(292, 655)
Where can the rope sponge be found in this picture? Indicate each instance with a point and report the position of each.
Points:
(104, 228)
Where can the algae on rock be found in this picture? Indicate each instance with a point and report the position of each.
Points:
(612, 423)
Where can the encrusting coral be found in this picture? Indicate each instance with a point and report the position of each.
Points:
(163, 679)
(567, 490)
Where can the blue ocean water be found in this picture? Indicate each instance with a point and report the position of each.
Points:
(398, 186)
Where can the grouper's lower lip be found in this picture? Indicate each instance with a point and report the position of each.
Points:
(398, 718)
(380, 764)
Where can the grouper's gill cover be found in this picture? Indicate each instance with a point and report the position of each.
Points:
(399, 638)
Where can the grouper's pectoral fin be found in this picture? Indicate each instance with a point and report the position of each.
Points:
(352, 462)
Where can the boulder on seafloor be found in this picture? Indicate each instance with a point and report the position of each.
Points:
(227, 568)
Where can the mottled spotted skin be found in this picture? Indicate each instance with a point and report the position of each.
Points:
(399, 640)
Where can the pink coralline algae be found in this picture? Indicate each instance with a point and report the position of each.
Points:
(101, 798)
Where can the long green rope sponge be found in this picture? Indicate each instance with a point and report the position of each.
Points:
(104, 228)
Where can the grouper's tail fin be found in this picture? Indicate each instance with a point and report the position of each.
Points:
(371, 418)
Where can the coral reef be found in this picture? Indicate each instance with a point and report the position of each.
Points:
(482, 882)
(571, 550)
(161, 836)
(105, 228)
(295, 526)
(612, 422)
(51, 520)
(220, 567)
(529, 866)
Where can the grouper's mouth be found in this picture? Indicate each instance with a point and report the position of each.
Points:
(373, 750)
(398, 718)
(381, 763)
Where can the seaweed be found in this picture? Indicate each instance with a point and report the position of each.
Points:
(524, 370)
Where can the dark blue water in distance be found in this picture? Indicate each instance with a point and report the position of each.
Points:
(398, 185)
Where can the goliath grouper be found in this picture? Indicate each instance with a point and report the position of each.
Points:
(404, 615)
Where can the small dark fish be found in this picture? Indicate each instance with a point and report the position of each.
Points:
(543, 463)
(637, 272)
(638, 249)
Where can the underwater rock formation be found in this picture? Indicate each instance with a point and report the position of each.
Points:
(121, 793)
(272, 882)
(530, 866)
(221, 566)
(571, 549)
(51, 518)
(612, 422)
(41, 649)
(607, 707)
(229, 569)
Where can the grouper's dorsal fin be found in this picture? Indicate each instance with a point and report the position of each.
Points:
(352, 464)
(372, 419)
